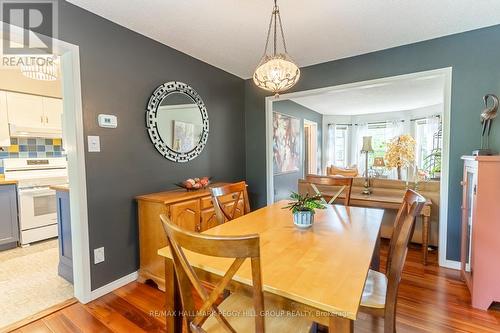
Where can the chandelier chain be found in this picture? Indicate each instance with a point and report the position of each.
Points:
(275, 12)
(282, 33)
(268, 34)
(276, 19)
(276, 72)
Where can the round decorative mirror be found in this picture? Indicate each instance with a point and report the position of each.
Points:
(177, 121)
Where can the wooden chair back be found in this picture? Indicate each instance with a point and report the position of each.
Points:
(344, 183)
(238, 247)
(399, 244)
(410, 197)
(229, 208)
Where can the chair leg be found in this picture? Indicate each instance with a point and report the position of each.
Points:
(375, 323)
(390, 324)
(425, 238)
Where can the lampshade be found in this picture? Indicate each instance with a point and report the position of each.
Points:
(276, 73)
(378, 162)
(367, 144)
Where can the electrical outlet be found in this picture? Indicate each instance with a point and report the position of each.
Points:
(98, 255)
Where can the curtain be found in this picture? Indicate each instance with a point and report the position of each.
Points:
(425, 138)
(358, 159)
(330, 145)
(397, 128)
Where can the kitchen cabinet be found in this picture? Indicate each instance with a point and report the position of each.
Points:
(193, 211)
(9, 227)
(52, 111)
(36, 115)
(25, 110)
(65, 267)
(4, 121)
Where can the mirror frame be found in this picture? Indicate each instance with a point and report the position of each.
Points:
(160, 93)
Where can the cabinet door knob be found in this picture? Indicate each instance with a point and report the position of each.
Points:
(463, 182)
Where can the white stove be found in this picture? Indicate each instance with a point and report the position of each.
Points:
(37, 202)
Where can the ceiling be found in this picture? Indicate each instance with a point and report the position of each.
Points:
(396, 95)
(231, 34)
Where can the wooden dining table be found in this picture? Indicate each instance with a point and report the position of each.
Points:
(318, 273)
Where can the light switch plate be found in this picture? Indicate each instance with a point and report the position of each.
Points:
(94, 144)
(98, 255)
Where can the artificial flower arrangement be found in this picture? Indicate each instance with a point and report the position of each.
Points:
(400, 153)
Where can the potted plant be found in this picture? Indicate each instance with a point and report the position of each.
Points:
(432, 163)
(302, 207)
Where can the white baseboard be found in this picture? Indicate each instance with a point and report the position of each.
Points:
(113, 285)
(452, 264)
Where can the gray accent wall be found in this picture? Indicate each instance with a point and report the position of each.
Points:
(119, 71)
(475, 59)
(285, 183)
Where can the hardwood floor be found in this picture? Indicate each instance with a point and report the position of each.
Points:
(431, 299)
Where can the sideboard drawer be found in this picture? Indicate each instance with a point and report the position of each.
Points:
(206, 202)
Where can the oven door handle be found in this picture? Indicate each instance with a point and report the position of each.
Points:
(36, 192)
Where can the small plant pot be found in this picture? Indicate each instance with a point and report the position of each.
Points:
(303, 219)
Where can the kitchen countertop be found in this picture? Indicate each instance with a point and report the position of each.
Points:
(64, 188)
(7, 182)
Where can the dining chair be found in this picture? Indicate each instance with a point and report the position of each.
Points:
(238, 312)
(410, 197)
(381, 290)
(230, 201)
(345, 184)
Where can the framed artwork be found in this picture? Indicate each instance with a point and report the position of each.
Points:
(184, 136)
(286, 143)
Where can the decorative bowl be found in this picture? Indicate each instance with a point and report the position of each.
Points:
(194, 184)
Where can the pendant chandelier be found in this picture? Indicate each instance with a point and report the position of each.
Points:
(46, 70)
(276, 72)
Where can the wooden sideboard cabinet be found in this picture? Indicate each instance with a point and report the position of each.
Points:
(480, 252)
(193, 211)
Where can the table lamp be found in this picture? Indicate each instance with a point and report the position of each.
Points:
(367, 149)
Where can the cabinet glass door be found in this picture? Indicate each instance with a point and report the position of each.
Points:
(470, 193)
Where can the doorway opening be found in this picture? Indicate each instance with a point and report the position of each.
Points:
(416, 106)
(310, 147)
(45, 259)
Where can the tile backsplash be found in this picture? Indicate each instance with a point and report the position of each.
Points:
(31, 147)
